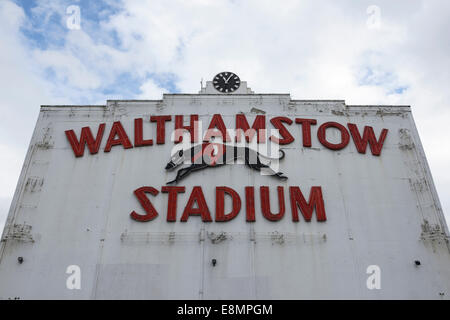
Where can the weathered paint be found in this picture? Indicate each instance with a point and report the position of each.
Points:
(380, 210)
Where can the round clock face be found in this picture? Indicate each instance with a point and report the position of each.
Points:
(226, 82)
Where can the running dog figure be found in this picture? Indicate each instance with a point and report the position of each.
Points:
(203, 156)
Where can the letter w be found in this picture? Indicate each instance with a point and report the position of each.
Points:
(368, 137)
(86, 137)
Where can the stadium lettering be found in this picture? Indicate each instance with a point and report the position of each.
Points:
(196, 205)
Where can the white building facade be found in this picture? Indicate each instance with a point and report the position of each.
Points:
(94, 216)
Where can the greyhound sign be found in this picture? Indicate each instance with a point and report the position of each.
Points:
(207, 155)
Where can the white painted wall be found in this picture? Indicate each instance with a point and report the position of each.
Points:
(78, 210)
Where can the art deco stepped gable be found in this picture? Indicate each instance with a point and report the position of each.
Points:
(94, 215)
(209, 89)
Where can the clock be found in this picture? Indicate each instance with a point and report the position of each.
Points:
(226, 82)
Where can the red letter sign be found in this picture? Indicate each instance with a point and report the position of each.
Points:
(118, 130)
(146, 204)
(250, 203)
(345, 137)
(306, 130)
(265, 204)
(259, 126)
(172, 201)
(192, 128)
(220, 204)
(286, 137)
(217, 122)
(85, 138)
(315, 201)
(202, 210)
(139, 134)
(160, 127)
(368, 137)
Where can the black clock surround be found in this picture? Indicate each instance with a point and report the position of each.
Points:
(226, 82)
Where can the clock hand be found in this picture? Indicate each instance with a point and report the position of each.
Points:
(226, 81)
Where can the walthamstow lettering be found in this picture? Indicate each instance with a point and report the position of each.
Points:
(217, 128)
(222, 146)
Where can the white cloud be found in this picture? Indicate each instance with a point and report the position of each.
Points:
(68, 69)
(11, 162)
(5, 203)
(150, 90)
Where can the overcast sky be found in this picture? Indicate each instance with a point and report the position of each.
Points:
(365, 52)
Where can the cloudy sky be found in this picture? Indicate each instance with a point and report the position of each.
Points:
(84, 52)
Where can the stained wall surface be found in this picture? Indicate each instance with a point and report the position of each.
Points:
(381, 210)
